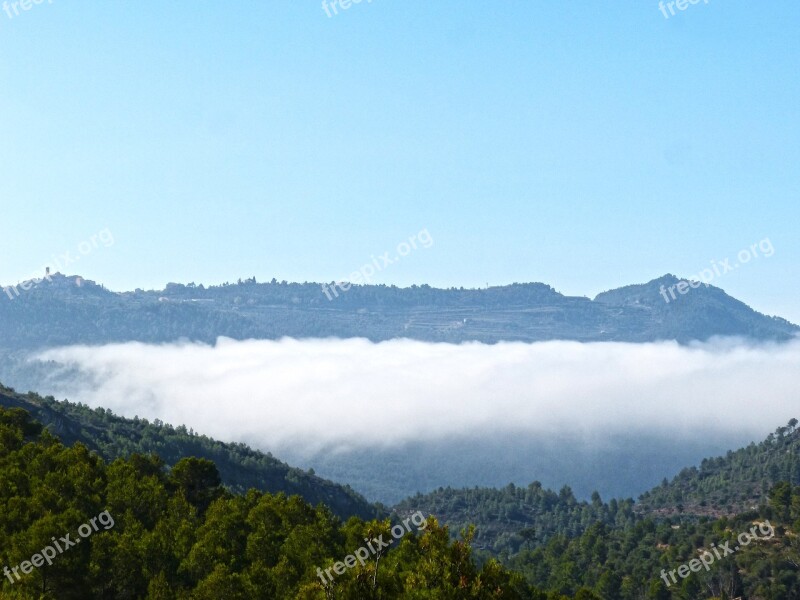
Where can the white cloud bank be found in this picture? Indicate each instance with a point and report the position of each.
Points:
(307, 394)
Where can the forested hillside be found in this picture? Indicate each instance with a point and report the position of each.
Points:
(71, 310)
(730, 484)
(145, 532)
(565, 546)
(753, 556)
(515, 517)
(241, 467)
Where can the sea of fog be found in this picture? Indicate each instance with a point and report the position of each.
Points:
(351, 407)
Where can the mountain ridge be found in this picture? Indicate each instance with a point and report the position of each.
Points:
(508, 518)
(69, 310)
(112, 436)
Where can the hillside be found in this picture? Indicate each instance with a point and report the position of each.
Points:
(177, 534)
(71, 310)
(240, 467)
(513, 518)
(730, 484)
(146, 532)
(753, 555)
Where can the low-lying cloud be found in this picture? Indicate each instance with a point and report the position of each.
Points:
(303, 395)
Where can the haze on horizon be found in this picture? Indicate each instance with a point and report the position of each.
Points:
(306, 395)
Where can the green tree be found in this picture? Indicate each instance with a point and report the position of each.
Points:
(198, 480)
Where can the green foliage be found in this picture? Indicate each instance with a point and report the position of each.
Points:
(240, 467)
(731, 484)
(633, 558)
(177, 535)
(515, 517)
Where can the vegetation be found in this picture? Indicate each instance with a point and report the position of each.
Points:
(627, 563)
(178, 534)
(61, 312)
(514, 518)
(240, 467)
(733, 483)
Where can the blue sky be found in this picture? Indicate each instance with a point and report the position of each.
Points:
(587, 144)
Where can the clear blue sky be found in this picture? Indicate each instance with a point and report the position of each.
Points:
(584, 144)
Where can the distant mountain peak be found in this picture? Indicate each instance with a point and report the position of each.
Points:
(72, 309)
